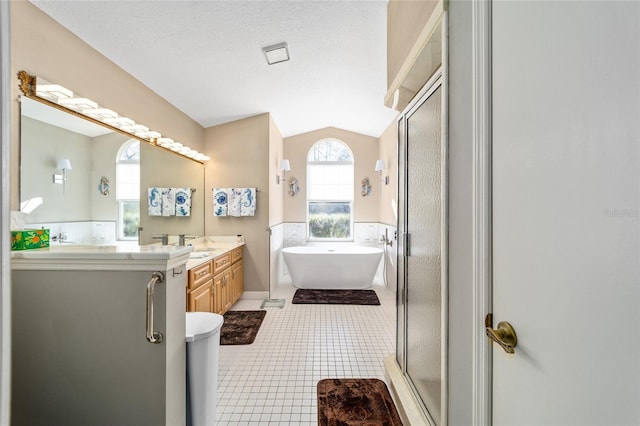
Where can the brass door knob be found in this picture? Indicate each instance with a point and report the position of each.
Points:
(505, 336)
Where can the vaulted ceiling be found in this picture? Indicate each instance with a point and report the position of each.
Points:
(205, 57)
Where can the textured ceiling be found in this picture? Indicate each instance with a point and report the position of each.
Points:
(205, 57)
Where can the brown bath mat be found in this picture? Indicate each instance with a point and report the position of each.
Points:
(356, 402)
(240, 327)
(335, 297)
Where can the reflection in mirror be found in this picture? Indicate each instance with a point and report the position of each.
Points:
(101, 198)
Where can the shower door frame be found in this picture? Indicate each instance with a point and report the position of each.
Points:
(436, 81)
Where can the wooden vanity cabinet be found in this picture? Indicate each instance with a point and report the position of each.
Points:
(220, 286)
(216, 285)
(236, 254)
(228, 280)
(201, 299)
(237, 277)
(220, 280)
(200, 289)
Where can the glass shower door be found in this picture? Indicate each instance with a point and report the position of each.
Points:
(421, 283)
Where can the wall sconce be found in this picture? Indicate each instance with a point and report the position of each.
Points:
(63, 165)
(284, 167)
(379, 168)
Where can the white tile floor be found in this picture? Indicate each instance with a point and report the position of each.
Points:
(273, 381)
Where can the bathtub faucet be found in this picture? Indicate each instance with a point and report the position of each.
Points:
(385, 238)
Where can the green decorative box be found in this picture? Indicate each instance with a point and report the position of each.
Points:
(29, 239)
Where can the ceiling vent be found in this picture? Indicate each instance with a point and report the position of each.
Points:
(276, 53)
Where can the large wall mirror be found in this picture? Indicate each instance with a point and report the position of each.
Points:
(94, 202)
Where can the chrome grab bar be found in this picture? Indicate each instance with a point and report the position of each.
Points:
(152, 336)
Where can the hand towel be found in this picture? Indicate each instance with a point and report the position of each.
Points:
(220, 199)
(248, 203)
(235, 200)
(155, 201)
(183, 201)
(168, 202)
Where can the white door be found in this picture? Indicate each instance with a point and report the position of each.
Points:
(566, 211)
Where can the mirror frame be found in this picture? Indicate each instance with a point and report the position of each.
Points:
(27, 85)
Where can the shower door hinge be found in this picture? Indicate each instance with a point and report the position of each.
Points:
(406, 244)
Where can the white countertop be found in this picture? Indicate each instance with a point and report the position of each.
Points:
(210, 248)
(152, 251)
(123, 257)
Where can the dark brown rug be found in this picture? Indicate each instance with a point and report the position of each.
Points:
(240, 327)
(335, 297)
(347, 402)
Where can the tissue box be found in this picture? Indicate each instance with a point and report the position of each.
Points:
(29, 239)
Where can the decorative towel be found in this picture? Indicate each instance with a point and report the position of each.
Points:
(168, 201)
(220, 198)
(183, 201)
(155, 201)
(234, 202)
(248, 203)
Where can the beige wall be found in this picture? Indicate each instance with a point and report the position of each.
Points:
(405, 21)
(388, 151)
(365, 151)
(239, 154)
(276, 190)
(42, 47)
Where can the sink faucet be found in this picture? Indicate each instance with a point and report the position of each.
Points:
(182, 238)
(61, 237)
(163, 237)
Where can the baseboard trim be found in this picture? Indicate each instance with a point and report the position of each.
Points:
(407, 406)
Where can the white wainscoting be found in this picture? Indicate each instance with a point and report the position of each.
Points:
(90, 232)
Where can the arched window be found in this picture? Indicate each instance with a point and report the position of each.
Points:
(330, 191)
(128, 189)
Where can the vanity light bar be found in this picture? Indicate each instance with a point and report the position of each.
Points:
(78, 104)
(51, 91)
(154, 134)
(119, 121)
(54, 93)
(135, 128)
(100, 113)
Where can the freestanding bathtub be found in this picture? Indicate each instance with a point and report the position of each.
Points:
(340, 267)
